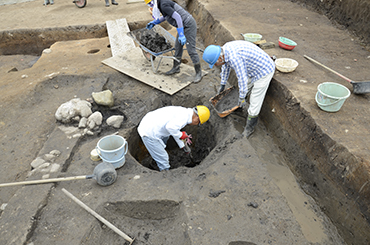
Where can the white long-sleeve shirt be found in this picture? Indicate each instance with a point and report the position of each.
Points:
(164, 122)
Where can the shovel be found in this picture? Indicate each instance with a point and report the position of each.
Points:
(358, 87)
(99, 217)
(104, 174)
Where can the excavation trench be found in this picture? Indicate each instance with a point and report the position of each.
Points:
(308, 170)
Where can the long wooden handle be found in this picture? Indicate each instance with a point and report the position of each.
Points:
(32, 182)
(314, 61)
(96, 215)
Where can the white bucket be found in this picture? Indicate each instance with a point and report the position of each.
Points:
(112, 149)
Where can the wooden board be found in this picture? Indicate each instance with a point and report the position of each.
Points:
(118, 38)
(133, 64)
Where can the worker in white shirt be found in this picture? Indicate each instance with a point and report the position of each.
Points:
(157, 126)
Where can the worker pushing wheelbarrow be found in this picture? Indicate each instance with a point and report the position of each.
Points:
(174, 14)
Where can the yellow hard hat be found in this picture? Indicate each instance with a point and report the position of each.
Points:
(147, 1)
(203, 113)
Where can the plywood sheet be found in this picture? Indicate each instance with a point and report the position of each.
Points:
(118, 38)
(133, 64)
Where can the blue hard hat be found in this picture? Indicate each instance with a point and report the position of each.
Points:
(211, 54)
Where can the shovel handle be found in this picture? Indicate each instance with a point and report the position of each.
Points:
(32, 182)
(316, 62)
(96, 215)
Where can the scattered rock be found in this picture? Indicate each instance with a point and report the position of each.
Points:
(47, 51)
(115, 121)
(82, 123)
(73, 108)
(3, 206)
(215, 194)
(49, 157)
(94, 119)
(253, 204)
(37, 162)
(13, 70)
(104, 98)
(55, 153)
(44, 165)
(54, 168)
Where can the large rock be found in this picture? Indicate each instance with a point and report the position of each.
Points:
(73, 108)
(115, 121)
(104, 98)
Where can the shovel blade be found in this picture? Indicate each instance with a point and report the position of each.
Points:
(361, 87)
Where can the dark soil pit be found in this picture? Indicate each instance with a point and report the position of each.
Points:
(149, 222)
(203, 138)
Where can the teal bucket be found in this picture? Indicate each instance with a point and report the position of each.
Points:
(331, 96)
(112, 149)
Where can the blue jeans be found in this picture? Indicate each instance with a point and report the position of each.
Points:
(158, 152)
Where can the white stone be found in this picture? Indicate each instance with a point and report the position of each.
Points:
(115, 121)
(44, 165)
(82, 123)
(3, 206)
(37, 162)
(46, 176)
(54, 167)
(94, 119)
(73, 108)
(55, 153)
(49, 157)
(103, 98)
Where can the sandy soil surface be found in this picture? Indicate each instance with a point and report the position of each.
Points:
(210, 202)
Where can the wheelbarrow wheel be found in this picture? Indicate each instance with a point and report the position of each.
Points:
(147, 55)
(80, 3)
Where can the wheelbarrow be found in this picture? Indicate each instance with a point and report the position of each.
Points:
(150, 55)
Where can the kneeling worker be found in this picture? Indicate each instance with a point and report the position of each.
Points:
(253, 68)
(157, 126)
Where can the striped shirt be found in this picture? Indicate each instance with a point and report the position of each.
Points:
(248, 61)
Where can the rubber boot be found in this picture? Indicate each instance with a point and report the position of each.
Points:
(51, 2)
(114, 2)
(175, 68)
(46, 2)
(251, 124)
(106, 3)
(198, 73)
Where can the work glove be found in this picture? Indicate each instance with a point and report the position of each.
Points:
(222, 88)
(186, 138)
(241, 102)
(186, 149)
(151, 24)
(182, 38)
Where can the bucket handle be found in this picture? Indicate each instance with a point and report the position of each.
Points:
(317, 93)
(105, 160)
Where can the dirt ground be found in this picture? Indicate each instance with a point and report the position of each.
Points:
(211, 203)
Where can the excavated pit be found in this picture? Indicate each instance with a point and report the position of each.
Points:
(147, 221)
(203, 143)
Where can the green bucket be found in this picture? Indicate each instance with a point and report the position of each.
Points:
(331, 96)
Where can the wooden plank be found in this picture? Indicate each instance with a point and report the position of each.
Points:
(135, 1)
(133, 64)
(118, 38)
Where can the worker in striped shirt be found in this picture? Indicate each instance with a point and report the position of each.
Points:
(254, 69)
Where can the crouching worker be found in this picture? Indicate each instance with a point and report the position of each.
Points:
(254, 69)
(157, 126)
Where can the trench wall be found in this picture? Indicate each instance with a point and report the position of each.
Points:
(326, 170)
(354, 15)
(34, 41)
